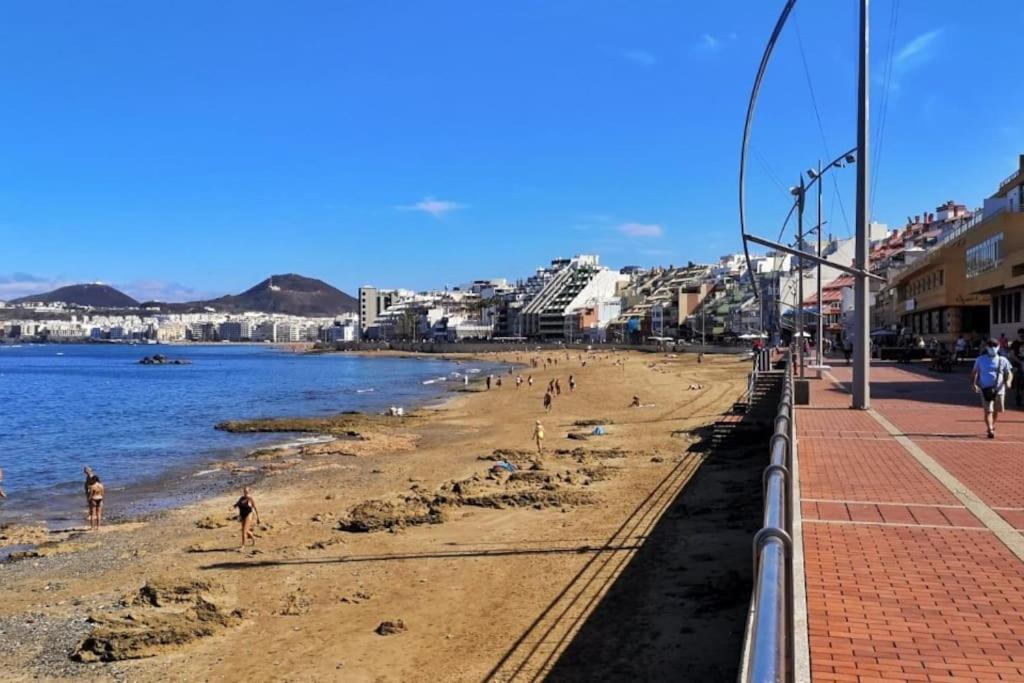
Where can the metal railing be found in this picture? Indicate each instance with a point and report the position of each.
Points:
(768, 651)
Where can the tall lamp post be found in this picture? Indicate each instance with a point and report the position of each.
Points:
(861, 303)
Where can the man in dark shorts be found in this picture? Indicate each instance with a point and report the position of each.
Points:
(247, 512)
(991, 377)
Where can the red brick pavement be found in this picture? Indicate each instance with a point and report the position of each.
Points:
(849, 469)
(913, 604)
(903, 582)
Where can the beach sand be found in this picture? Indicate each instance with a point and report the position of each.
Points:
(497, 581)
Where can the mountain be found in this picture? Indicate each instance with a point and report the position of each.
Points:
(95, 295)
(289, 294)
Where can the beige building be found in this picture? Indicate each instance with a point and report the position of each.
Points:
(972, 283)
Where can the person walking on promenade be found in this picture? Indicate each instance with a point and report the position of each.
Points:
(1016, 357)
(547, 401)
(538, 436)
(247, 511)
(991, 376)
(960, 349)
(95, 492)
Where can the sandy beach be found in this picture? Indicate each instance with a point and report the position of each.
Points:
(393, 554)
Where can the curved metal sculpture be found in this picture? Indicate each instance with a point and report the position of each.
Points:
(746, 132)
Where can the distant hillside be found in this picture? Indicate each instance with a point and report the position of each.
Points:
(95, 295)
(288, 294)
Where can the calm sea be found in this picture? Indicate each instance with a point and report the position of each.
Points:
(65, 406)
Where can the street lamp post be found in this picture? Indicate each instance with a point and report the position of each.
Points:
(861, 311)
(799, 333)
(821, 314)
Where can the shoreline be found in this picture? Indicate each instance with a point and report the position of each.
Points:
(181, 484)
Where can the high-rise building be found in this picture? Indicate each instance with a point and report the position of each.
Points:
(373, 302)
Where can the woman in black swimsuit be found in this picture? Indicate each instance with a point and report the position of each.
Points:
(246, 513)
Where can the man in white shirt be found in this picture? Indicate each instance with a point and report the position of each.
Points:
(991, 376)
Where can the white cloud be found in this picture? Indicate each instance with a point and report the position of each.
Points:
(17, 285)
(641, 230)
(437, 208)
(641, 57)
(709, 43)
(161, 290)
(917, 53)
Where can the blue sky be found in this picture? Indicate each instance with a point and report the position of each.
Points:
(192, 148)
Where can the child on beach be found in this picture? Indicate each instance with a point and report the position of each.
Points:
(538, 436)
(95, 492)
(246, 513)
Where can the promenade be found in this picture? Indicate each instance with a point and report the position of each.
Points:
(912, 531)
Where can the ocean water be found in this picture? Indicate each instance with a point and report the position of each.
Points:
(65, 406)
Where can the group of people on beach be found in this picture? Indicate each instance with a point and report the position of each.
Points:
(95, 492)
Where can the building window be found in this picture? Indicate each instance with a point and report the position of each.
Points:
(985, 256)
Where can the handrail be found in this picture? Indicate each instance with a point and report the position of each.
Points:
(769, 646)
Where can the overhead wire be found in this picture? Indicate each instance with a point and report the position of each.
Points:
(817, 117)
(768, 169)
(884, 106)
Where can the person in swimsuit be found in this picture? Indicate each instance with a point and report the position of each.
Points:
(246, 513)
(538, 436)
(90, 478)
(95, 493)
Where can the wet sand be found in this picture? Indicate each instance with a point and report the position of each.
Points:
(489, 577)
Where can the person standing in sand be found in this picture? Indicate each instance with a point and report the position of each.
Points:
(247, 512)
(572, 384)
(95, 492)
(538, 436)
(90, 477)
(547, 401)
